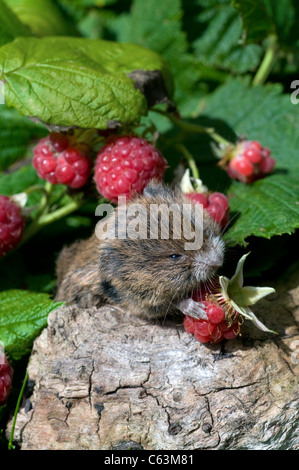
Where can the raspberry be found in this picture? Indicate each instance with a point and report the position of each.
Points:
(267, 165)
(6, 374)
(242, 166)
(216, 204)
(11, 225)
(215, 313)
(126, 165)
(58, 163)
(59, 141)
(189, 324)
(248, 162)
(215, 328)
(199, 198)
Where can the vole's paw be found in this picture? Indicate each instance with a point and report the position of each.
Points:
(192, 308)
(86, 300)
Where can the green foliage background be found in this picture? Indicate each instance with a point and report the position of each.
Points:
(226, 64)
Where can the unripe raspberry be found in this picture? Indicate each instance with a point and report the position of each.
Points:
(6, 374)
(126, 165)
(58, 163)
(247, 161)
(11, 225)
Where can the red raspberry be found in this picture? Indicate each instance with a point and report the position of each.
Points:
(59, 141)
(216, 204)
(126, 165)
(58, 163)
(6, 374)
(215, 313)
(215, 328)
(249, 162)
(242, 166)
(11, 225)
(267, 165)
(199, 198)
(189, 324)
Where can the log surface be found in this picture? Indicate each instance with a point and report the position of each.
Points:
(107, 380)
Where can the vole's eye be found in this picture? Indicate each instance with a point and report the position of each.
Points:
(175, 256)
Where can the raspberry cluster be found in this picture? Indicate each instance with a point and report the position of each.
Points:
(11, 225)
(59, 163)
(215, 328)
(6, 374)
(125, 165)
(250, 162)
(215, 203)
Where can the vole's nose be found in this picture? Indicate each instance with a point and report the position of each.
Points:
(216, 260)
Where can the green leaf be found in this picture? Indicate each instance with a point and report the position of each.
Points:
(43, 17)
(16, 132)
(220, 43)
(269, 206)
(256, 18)
(77, 81)
(23, 315)
(11, 26)
(18, 181)
(262, 18)
(158, 26)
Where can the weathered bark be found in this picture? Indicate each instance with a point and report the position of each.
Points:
(107, 380)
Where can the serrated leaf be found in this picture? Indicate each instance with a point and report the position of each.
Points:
(23, 315)
(219, 45)
(256, 18)
(77, 81)
(267, 207)
(262, 18)
(16, 132)
(158, 26)
(11, 26)
(43, 17)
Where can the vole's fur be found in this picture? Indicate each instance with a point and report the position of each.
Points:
(140, 275)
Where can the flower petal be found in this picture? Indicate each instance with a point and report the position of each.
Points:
(250, 295)
(237, 280)
(224, 281)
(257, 322)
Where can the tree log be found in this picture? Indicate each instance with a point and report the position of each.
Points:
(104, 379)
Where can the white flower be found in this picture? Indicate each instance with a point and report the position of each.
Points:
(240, 298)
(192, 185)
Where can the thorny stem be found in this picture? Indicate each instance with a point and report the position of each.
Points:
(10, 444)
(267, 62)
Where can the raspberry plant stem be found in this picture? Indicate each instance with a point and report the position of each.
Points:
(190, 159)
(48, 218)
(267, 63)
(10, 444)
(194, 128)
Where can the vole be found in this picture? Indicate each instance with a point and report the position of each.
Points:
(150, 277)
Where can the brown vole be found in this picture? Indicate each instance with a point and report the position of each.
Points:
(148, 277)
